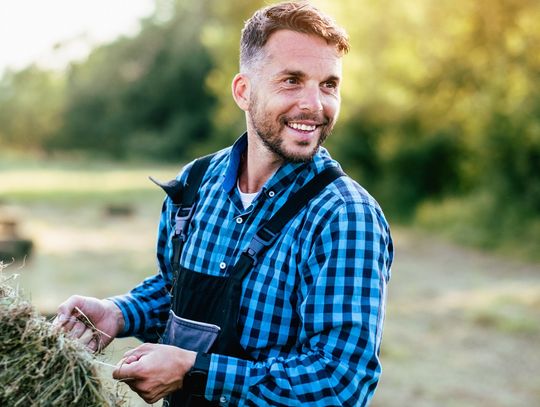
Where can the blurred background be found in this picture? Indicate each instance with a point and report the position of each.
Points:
(440, 122)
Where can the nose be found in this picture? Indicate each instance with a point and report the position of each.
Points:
(310, 99)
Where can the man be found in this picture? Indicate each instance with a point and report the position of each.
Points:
(303, 322)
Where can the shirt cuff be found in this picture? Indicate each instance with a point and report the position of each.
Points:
(126, 305)
(228, 380)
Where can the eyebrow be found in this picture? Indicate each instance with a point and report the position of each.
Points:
(300, 74)
(287, 72)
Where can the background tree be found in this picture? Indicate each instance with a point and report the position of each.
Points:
(143, 96)
(441, 104)
(31, 101)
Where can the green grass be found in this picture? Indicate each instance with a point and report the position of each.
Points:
(32, 180)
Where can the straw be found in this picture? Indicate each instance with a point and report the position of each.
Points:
(40, 365)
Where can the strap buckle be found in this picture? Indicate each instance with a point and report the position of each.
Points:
(262, 239)
(182, 217)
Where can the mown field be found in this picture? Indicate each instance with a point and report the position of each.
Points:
(462, 327)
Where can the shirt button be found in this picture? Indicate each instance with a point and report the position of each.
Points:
(239, 220)
(223, 400)
(222, 265)
(271, 194)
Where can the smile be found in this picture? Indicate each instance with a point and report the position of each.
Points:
(301, 126)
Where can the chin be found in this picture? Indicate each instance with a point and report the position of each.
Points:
(298, 155)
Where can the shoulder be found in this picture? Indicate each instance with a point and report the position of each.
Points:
(344, 191)
(345, 201)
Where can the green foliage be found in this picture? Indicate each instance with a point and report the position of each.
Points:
(142, 96)
(441, 102)
(447, 98)
(30, 106)
(514, 170)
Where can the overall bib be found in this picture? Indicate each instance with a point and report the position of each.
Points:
(204, 308)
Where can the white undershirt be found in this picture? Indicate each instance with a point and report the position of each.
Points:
(244, 197)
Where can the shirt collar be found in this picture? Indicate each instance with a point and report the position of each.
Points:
(231, 173)
(282, 178)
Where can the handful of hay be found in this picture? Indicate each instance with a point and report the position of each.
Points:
(40, 365)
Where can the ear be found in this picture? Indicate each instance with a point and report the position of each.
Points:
(241, 91)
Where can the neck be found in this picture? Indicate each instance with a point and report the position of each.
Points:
(258, 165)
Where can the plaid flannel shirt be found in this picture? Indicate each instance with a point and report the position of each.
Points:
(311, 311)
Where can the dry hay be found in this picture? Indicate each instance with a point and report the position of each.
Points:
(40, 365)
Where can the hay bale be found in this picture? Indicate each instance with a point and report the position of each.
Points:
(40, 365)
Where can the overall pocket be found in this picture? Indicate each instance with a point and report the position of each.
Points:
(191, 335)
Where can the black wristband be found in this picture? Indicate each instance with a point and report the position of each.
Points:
(195, 380)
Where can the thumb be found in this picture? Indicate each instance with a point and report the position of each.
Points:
(126, 369)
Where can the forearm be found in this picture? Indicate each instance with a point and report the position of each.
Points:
(145, 309)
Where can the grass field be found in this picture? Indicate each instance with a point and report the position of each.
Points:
(462, 328)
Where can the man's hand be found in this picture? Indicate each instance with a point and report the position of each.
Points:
(93, 322)
(153, 371)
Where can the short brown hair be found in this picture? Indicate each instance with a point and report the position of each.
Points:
(301, 17)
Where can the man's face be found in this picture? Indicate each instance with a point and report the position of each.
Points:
(295, 96)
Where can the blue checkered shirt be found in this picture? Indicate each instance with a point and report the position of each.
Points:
(311, 311)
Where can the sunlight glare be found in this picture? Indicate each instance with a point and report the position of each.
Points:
(55, 32)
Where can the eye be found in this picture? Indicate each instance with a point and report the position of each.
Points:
(291, 80)
(330, 84)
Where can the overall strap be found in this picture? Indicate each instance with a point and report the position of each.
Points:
(195, 176)
(187, 205)
(189, 194)
(266, 235)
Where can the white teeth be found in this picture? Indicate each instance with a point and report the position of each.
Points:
(303, 127)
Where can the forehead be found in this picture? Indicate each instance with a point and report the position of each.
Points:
(291, 49)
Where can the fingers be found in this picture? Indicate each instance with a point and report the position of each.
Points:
(126, 369)
(78, 329)
(140, 385)
(153, 371)
(140, 350)
(68, 308)
(103, 317)
(69, 318)
(94, 345)
(83, 333)
(87, 336)
(150, 396)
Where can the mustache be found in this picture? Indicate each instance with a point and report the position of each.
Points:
(319, 119)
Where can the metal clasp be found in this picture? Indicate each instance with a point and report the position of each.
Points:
(258, 243)
(182, 217)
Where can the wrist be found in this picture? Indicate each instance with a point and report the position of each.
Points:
(196, 378)
(116, 315)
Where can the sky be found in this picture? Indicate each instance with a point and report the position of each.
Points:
(31, 30)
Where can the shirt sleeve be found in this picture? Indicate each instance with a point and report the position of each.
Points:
(146, 307)
(342, 311)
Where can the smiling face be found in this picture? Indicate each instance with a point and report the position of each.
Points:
(291, 96)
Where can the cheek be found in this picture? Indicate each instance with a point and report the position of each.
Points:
(331, 107)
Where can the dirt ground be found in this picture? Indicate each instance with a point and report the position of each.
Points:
(462, 327)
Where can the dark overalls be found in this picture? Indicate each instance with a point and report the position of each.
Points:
(215, 301)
